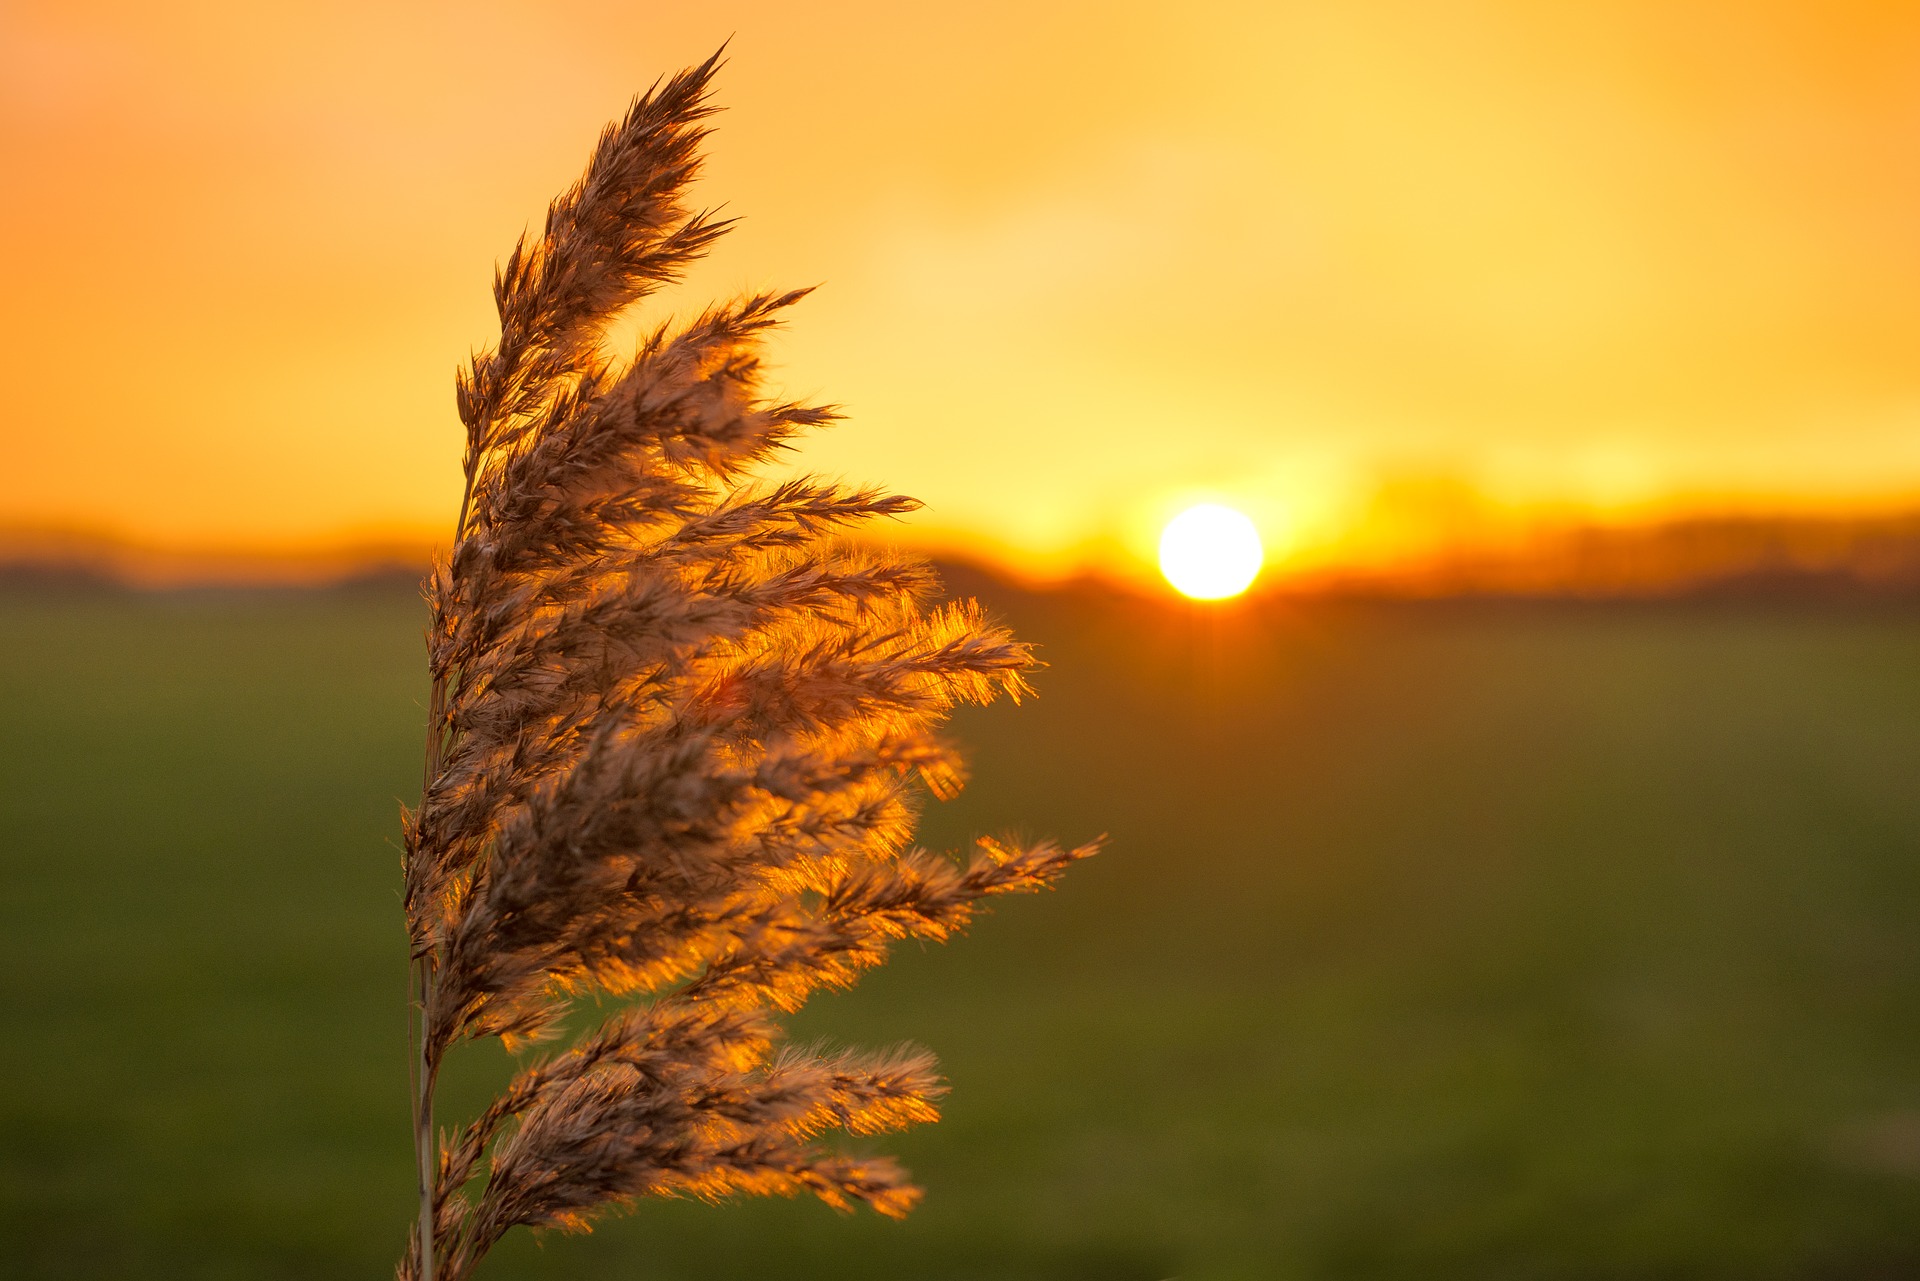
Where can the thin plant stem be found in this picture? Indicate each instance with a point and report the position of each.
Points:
(423, 1069)
(423, 1121)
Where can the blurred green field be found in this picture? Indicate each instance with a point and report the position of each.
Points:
(1433, 941)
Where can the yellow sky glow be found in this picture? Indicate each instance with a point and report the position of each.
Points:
(1351, 269)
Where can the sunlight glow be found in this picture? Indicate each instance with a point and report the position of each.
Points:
(1210, 552)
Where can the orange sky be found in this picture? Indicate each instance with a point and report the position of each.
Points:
(1083, 262)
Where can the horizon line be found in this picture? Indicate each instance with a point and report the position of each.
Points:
(1661, 554)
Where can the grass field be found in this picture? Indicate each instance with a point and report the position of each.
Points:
(1433, 941)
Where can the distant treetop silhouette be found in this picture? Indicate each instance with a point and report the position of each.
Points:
(675, 735)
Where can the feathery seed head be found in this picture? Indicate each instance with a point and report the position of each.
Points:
(676, 737)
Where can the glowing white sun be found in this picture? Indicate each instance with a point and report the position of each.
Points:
(1210, 552)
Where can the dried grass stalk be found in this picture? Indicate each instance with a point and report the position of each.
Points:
(676, 731)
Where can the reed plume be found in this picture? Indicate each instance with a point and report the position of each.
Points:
(677, 730)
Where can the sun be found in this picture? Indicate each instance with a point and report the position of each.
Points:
(1210, 552)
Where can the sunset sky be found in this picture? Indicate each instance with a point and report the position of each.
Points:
(1341, 266)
